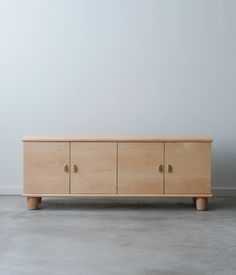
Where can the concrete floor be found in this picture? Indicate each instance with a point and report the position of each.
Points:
(114, 236)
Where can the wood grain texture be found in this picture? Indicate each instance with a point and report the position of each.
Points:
(138, 165)
(44, 167)
(150, 138)
(96, 162)
(191, 167)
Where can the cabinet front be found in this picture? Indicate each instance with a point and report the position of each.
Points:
(93, 167)
(140, 167)
(46, 167)
(188, 167)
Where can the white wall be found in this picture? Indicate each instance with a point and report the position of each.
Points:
(126, 67)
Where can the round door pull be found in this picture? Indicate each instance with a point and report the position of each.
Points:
(66, 168)
(169, 168)
(161, 168)
(75, 168)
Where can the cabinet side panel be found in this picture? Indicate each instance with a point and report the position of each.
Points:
(44, 167)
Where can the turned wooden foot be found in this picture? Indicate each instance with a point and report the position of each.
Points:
(201, 204)
(32, 203)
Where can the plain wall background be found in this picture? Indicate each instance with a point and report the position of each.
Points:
(117, 67)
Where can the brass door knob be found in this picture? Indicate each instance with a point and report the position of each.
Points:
(169, 168)
(75, 168)
(66, 168)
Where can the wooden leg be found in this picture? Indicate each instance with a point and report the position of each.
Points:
(32, 203)
(201, 204)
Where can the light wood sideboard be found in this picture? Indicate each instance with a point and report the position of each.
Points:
(135, 166)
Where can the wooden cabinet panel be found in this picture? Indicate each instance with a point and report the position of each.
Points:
(44, 167)
(190, 167)
(96, 167)
(138, 167)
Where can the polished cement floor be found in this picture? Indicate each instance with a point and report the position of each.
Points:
(114, 236)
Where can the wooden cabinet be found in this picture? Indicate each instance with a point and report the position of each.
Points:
(117, 167)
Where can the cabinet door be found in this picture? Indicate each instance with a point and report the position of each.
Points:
(138, 167)
(44, 167)
(190, 167)
(95, 167)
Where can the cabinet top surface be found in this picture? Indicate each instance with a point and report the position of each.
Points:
(150, 138)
